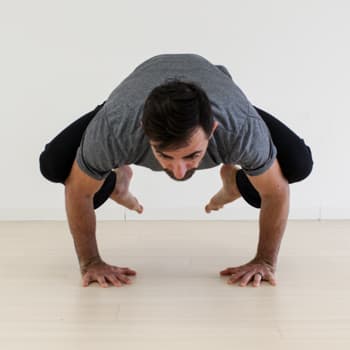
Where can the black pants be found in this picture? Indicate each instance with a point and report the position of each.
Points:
(293, 155)
(58, 156)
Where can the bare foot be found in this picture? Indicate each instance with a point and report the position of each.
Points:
(229, 191)
(121, 193)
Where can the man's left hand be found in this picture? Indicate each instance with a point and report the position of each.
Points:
(254, 271)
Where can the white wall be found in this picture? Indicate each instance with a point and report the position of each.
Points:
(59, 59)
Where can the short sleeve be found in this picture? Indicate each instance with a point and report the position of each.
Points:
(258, 151)
(252, 147)
(224, 70)
(94, 155)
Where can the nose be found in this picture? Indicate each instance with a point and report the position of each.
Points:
(179, 169)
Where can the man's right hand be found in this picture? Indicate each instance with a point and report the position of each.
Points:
(99, 271)
(79, 190)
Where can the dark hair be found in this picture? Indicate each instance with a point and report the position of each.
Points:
(173, 111)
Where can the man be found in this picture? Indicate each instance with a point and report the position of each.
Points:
(177, 113)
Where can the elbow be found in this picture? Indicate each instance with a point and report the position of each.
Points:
(73, 192)
(280, 193)
(283, 190)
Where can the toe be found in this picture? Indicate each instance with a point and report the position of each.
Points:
(139, 209)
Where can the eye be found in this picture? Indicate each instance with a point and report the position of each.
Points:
(161, 155)
(194, 156)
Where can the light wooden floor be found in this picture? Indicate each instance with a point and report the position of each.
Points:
(178, 300)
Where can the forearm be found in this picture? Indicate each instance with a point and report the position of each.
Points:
(272, 224)
(82, 224)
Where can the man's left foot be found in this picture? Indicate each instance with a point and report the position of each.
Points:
(121, 193)
(229, 191)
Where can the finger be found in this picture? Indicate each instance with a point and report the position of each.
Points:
(272, 280)
(114, 280)
(236, 277)
(257, 280)
(229, 271)
(123, 279)
(124, 271)
(102, 282)
(127, 271)
(246, 279)
(86, 280)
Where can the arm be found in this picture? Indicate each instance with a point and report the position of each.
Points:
(274, 191)
(79, 193)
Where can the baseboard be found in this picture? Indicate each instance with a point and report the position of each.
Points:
(184, 213)
(332, 213)
(29, 214)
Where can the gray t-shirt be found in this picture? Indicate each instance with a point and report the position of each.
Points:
(115, 136)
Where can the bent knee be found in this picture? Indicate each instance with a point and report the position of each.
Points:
(49, 168)
(302, 166)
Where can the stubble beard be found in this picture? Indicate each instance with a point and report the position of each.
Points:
(188, 175)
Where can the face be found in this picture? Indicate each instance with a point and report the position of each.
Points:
(181, 164)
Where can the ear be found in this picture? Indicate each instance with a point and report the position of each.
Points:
(214, 127)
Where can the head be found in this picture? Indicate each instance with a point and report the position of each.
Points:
(178, 121)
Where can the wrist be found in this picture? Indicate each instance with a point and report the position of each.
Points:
(85, 263)
(267, 259)
(267, 253)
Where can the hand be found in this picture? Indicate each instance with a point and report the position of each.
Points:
(103, 273)
(256, 271)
